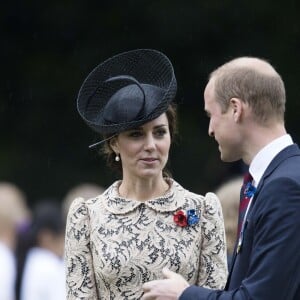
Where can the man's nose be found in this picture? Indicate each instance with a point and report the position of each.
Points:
(210, 130)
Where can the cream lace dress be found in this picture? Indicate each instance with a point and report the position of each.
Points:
(114, 245)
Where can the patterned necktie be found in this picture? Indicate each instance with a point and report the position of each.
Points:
(244, 199)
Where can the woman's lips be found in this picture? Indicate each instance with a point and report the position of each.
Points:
(150, 159)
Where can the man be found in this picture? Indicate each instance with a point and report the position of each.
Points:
(245, 101)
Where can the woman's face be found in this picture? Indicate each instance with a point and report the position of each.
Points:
(144, 150)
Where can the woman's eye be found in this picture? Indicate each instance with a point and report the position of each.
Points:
(135, 134)
(160, 132)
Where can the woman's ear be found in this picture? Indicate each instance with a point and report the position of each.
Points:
(113, 143)
(236, 106)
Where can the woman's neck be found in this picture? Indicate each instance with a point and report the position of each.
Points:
(143, 189)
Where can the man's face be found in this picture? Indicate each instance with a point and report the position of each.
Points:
(222, 126)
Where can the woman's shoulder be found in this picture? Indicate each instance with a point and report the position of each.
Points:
(78, 204)
(208, 200)
(81, 203)
(208, 197)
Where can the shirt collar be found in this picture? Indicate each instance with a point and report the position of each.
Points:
(264, 157)
(170, 201)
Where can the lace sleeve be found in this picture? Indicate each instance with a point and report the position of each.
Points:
(213, 260)
(80, 282)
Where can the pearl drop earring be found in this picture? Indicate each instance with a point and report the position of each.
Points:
(117, 158)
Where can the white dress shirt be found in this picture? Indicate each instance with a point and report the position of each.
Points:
(259, 165)
(264, 157)
(7, 273)
(43, 277)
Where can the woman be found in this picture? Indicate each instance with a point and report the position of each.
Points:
(146, 221)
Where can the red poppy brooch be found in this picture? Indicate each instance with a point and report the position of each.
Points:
(183, 219)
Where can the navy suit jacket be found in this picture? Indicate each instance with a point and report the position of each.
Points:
(268, 264)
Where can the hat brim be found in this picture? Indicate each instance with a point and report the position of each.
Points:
(147, 66)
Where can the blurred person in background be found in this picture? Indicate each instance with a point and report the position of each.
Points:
(14, 215)
(229, 195)
(84, 190)
(124, 237)
(41, 272)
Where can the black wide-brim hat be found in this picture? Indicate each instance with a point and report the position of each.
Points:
(126, 91)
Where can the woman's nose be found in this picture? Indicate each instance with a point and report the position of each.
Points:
(149, 142)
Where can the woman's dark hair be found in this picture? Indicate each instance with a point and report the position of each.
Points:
(109, 154)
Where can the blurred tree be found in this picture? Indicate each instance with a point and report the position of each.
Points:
(49, 47)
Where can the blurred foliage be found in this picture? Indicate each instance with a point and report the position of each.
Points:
(48, 48)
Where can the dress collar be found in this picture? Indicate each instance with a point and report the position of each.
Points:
(171, 201)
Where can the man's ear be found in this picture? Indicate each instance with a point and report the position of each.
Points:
(236, 106)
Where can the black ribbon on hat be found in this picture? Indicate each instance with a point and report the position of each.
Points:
(126, 104)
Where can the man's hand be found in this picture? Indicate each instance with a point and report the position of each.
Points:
(169, 288)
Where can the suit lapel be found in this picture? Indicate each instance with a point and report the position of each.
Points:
(289, 151)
